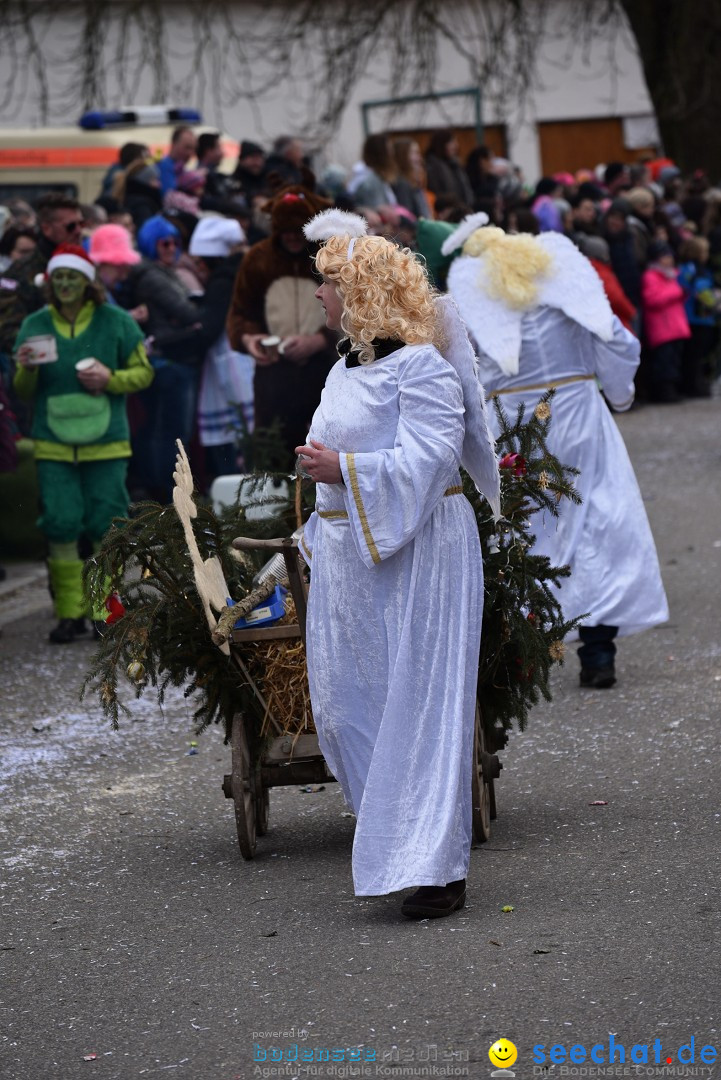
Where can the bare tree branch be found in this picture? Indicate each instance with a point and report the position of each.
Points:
(231, 54)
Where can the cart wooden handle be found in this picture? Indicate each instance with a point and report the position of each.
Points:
(249, 543)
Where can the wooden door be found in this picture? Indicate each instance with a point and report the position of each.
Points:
(568, 145)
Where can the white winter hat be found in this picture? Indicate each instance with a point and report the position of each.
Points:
(215, 237)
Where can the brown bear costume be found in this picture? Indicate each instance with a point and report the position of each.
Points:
(274, 295)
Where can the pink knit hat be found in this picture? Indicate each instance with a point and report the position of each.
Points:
(111, 244)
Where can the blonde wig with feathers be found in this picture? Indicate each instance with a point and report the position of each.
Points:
(511, 264)
(385, 293)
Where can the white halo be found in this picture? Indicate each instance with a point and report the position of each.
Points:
(466, 228)
(334, 223)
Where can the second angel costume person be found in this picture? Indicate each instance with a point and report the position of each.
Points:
(396, 598)
(538, 313)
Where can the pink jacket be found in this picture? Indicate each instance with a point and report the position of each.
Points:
(664, 317)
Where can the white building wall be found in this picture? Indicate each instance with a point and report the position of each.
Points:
(573, 82)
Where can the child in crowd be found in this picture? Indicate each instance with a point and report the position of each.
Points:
(702, 303)
(665, 323)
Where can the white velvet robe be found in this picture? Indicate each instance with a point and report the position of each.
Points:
(394, 617)
(607, 541)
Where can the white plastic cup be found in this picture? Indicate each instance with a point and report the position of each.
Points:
(86, 364)
(270, 346)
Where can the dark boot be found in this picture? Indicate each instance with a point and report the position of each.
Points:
(601, 678)
(597, 654)
(65, 632)
(435, 901)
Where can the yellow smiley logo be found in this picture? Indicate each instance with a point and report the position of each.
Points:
(503, 1053)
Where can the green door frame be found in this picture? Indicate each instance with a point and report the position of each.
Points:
(409, 99)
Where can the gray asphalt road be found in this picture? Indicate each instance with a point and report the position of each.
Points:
(132, 930)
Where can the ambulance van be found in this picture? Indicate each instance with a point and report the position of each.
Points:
(74, 160)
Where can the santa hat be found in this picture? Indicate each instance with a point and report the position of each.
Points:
(71, 257)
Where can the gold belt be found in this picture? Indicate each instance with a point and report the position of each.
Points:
(457, 489)
(542, 386)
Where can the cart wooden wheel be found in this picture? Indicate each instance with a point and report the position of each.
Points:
(262, 807)
(243, 785)
(492, 799)
(480, 789)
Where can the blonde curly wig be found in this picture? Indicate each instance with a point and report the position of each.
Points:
(385, 293)
(511, 264)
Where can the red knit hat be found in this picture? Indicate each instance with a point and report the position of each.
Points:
(71, 257)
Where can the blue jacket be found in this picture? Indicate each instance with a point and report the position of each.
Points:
(697, 280)
(168, 170)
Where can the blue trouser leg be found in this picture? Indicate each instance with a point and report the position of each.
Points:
(598, 649)
(171, 405)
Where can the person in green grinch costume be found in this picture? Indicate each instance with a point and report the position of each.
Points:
(78, 358)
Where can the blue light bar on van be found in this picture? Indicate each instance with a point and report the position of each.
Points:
(137, 115)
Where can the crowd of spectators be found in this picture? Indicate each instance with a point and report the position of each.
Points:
(177, 244)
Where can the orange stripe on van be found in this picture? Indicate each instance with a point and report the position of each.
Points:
(74, 156)
(58, 157)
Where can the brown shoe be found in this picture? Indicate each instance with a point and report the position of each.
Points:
(435, 901)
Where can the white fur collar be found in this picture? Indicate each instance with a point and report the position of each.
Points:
(572, 286)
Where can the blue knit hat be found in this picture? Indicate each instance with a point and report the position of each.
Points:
(154, 229)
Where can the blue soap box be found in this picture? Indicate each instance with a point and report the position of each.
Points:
(265, 613)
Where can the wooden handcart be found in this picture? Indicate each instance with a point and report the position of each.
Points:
(287, 759)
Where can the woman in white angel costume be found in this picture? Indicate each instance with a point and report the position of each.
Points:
(539, 317)
(396, 596)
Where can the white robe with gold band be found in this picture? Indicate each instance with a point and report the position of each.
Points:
(571, 337)
(607, 541)
(394, 616)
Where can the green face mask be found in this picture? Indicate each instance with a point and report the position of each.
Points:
(68, 286)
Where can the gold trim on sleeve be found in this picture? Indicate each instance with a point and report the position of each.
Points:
(367, 534)
(331, 514)
(457, 489)
(306, 549)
